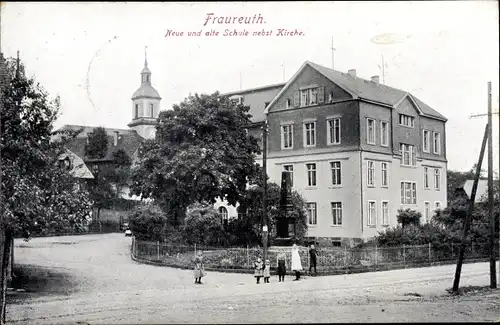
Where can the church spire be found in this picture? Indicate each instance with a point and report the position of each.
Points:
(146, 73)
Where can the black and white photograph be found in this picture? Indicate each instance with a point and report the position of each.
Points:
(249, 162)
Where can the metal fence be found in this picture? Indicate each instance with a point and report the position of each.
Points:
(328, 258)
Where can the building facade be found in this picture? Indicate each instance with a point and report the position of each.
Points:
(357, 150)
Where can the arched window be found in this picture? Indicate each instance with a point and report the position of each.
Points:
(136, 111)
(224, 215)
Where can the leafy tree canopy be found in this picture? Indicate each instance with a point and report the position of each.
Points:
(97, 147)
(201, 152)
(36, 194)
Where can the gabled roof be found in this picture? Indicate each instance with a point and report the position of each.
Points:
(78, 167)
(128, 141)
(363, 89)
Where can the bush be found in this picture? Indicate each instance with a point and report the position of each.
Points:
(408, 217)
(148, 222)
(203, 225)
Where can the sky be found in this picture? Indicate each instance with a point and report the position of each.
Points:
(91, 54)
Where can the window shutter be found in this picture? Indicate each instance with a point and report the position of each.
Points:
(321, 94)
(296, 98)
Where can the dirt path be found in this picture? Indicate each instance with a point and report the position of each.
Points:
(92, 279)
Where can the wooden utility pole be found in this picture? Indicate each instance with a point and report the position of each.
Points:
(493, 272)
(468, 218)
(264, 180)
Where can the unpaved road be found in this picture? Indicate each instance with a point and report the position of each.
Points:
(91, 279)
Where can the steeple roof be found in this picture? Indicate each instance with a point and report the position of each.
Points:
(146, 89)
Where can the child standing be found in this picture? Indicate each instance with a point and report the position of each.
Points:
(258, 266)
(267, 271)
(199, 269)
(281, 266)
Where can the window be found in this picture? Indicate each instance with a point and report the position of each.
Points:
(334, 131)
(437, 206)
(408, 156)
(287, 136)
(304, 97)
(371, 173)
(311, 213)
(288, 103)
(385, 213)
(311, 96)
(314, 96)
(152, 110)
(384, 134)
(406, 120)
(385, 176)
(289, 169)
(336, 173)
(372, 213)
(437, 179)
(426, 177)
(427, 208)
(425, 141)
(136, 113)
(437, 143)
(224, 215)
(370, 125)
(147, 78)
(337, 213)
(408, 193)
(310, 134)
(330, 97)
(311, 174)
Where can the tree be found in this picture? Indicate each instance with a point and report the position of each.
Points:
(456, 179)
(201, 152)
(97, 147)
(35, 193)
(408, 217)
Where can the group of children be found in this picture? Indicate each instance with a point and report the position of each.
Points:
(264, 269)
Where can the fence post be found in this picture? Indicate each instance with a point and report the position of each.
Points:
(376, 254)
(345, 255)
(248, 258)
(194, 249)
(430, 252)
(404, 255)
(158, 250)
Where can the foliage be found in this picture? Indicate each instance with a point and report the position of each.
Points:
(456, 179)
(148, 222)
(408, 217)
(249, 227)
(203, 225)
(36, 194)
(201, 152)
(97, 146)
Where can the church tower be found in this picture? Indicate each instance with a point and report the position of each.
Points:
(145, 105)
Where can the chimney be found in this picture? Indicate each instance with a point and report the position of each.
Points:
(115, 138)
(375, 79)
(352, 72)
